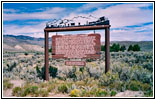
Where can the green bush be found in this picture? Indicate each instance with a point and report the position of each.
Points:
(136, 47)
(53, 71)
(50, 88)
(16, 91)
(141, 74)
(41, 72)
(34, 89)
(113, 93)
(130, 48)
(149, 93)
(123, 48)
(101, 93)
(50, 50)
(115, 48)
(72, 73)
(11, 66)
(118, 85)
(26, 53)
(102, 47)
(63, 88)
(7, 84)
(43, 93)
(134, 85)
(108, 78)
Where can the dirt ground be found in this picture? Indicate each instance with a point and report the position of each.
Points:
(8, 92)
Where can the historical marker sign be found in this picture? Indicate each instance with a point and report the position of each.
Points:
(76, 46)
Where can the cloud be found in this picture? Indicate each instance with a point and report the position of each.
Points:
(120, 15)
(47, 14)
(17, 29)
(94, 6)
(10, 10)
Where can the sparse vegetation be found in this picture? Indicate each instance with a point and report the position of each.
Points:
(129, 71)
(7, 84)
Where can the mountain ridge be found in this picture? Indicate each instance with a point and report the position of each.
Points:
(20, 42)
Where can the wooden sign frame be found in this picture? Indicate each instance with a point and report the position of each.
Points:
(77, 28)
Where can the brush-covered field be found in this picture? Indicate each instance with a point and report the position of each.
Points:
(130, 72)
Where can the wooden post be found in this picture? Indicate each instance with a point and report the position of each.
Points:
(107, 49)
(46, 56)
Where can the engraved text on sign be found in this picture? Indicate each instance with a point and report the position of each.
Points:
(76, 46)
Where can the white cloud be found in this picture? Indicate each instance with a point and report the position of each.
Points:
(47, 14)
(121, 15)
(10, 10)
(15, 29)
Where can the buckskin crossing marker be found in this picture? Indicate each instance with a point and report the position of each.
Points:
(76, 46)
(77, 28)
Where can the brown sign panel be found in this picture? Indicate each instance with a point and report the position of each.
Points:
(76, 46)
(76, 63)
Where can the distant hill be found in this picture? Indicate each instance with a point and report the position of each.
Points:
(23, 43)
(27, 43)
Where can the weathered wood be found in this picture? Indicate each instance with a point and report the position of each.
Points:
(46, 56)
(107, 50)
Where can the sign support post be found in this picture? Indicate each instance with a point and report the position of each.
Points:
(107, 49)
(46, 56)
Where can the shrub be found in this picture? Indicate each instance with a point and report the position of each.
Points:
(102, 47)
(149, 93)
(41, 72)
(75, 93)
(115, 48)
(43, 93)
(136, 47)
(11, 66)
(108, 78)
(101, 93)
(113, 93)
(63, 88)
(130, 48)
(118, 85)
(7, 84)
(16, 91)
(26, 53)
(53, 71)
(134, 85)
(34, 89)
(141, 74)
(50, 50)
(71, 74)
(123, 48)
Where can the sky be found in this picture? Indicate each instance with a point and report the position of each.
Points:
(129, 21)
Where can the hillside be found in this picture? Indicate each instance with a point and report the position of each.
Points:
(22, 43)
(27, 43)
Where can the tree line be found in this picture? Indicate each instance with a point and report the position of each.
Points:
(116, 48)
